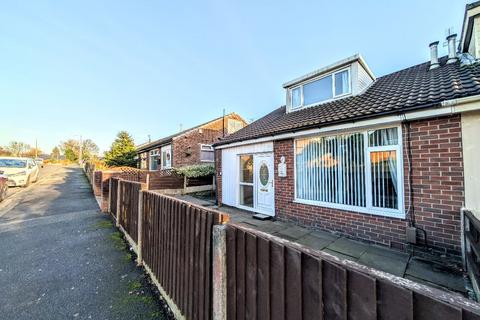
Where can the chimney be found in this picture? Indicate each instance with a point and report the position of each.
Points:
(434, 55)
(452, 53)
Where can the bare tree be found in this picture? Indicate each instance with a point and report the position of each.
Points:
(18, 148)
(71, 149)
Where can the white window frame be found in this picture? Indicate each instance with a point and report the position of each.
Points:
(167, 148)
(151, 154)
(208, 148)
(334, 97)
(369, 209)
(240, 183)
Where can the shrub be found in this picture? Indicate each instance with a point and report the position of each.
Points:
(196, 171)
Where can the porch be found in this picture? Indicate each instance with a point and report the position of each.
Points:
(430, 271)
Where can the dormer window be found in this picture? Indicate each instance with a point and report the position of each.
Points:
(321, 89)
(350, 76)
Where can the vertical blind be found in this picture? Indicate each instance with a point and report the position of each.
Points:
(334, 169)
(331, 169)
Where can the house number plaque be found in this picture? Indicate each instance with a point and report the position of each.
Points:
(282, 167)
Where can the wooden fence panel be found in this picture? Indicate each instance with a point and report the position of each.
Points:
(113, 196)
(128, 215)
(272, 278)
(267, 277)
(176, 246)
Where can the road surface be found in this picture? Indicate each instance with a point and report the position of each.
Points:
(60, 258)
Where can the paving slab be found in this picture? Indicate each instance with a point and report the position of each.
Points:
(314, 242)
(378, 257)
(293, 232)
(268, 227)
(392, 265)
(348, 247)
(387, 252)
(325, 235)
(431, 272)
(339, 255)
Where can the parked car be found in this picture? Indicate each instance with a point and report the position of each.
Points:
(20, 171)
(39, 162)
(3, 186)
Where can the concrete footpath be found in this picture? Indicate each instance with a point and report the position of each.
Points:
(60, 258)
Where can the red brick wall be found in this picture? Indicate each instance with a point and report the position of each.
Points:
(437, 169)
(105, 187)
(438, 185)
(186, 148)
(97, 183)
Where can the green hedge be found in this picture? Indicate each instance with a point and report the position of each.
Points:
(196, 171)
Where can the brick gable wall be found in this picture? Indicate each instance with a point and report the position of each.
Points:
(437, 170)
(186, 147)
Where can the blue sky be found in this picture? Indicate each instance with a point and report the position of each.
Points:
(93, 68)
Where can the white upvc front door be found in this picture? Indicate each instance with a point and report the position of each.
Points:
(265, 191)
(256, 181)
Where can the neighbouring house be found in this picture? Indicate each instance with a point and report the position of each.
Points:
(388, 159)
(188, 147)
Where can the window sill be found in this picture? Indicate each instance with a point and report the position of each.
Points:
(389, 213)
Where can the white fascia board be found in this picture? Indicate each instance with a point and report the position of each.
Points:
(323, 70)
(448, 107)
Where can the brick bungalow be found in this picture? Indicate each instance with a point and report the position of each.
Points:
(188, 147)
(387, 160)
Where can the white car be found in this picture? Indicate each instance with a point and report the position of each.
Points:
(20, 171)
(39, 162)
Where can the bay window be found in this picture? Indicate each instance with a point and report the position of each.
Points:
(357, 171)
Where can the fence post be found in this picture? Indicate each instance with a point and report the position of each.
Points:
(147, 181)
(219, 272)
(184, 184)
(140, 227)
(109, 205)
(117, 222)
